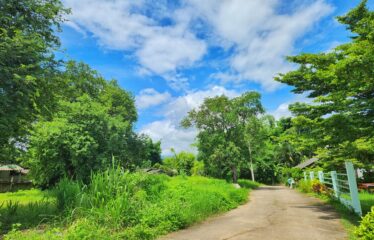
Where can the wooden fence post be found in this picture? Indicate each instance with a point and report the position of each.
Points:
(334, 178)
(353, 188)
(320, 176)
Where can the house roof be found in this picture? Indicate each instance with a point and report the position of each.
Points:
(13, 167)
(307, 163)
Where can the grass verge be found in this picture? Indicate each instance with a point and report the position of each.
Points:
(122, 205)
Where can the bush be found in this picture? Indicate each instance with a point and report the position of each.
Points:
(296, 173)
(320, 188)
(248, 184)
(66, 193)
(305, 186)
(366, 229)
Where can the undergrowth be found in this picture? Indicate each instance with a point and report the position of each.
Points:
(125, 205)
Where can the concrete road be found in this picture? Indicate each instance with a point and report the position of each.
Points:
(273, 212)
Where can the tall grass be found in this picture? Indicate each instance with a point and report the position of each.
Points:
(125, 205)
(26, 208)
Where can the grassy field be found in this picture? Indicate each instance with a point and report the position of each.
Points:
(25, 196)
(118, 205)
(26, 209)
(367, 201)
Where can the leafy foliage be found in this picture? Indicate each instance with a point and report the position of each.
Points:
(27, 67)
(366, 229)
(126, 205)
(221, 122)
(183, 162)
(338, 125)
(92, 123)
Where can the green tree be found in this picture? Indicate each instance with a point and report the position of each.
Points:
(341, 84)
(27, 66)
(183, 162)
(81, 138)
(221, 123)
(91, 123)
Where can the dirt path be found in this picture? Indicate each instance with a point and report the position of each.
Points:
(274, 212)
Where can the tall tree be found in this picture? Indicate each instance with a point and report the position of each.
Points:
(341, 84)
(221, 123)
(27, 65)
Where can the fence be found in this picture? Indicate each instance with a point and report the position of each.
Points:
(344, 186)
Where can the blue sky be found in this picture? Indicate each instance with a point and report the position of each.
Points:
(172, 54)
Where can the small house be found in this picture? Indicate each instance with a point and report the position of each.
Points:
(13, 177)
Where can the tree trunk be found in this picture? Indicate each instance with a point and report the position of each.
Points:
(234, 174)
(250, 162)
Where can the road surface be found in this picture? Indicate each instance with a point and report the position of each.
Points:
(274, 213)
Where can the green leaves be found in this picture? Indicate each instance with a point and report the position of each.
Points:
(221, 123)
(341, 84)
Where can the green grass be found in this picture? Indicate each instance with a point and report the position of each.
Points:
(248, 184)
(122, 205)
(26, 208)
(367, 201)
(24, 196)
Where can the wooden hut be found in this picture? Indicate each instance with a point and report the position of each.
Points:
(13, 177)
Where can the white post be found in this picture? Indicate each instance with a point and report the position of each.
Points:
(353, 187)
(320, 176)
(334, 178)
(311, 174)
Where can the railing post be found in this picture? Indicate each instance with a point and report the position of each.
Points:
(334, 178)
(305, 177)
(311, 174)
(353, 187)
(320, 176)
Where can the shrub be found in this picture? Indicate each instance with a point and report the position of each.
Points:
(248, 184)
(320, 188)
(366, 229)
(66, 193)
(295, 173)
(305, 186)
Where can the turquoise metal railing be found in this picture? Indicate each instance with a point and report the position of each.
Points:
(343, 185)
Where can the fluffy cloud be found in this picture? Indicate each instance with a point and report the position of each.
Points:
(283, 111)
(260, 35)
(124, 25)
(150, 97)
(169, 131)
(165, 37)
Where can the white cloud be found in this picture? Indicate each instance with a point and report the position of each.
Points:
(260, 35)
(124, 25)
(169, 131)
(283, 111)
(171, 136)
(258, 32)
(150, 97)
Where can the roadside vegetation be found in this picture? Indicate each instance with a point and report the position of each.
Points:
(123, 205)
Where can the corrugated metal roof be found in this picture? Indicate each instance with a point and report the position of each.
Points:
(307, 163)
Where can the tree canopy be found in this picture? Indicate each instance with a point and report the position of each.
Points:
(339, 124)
